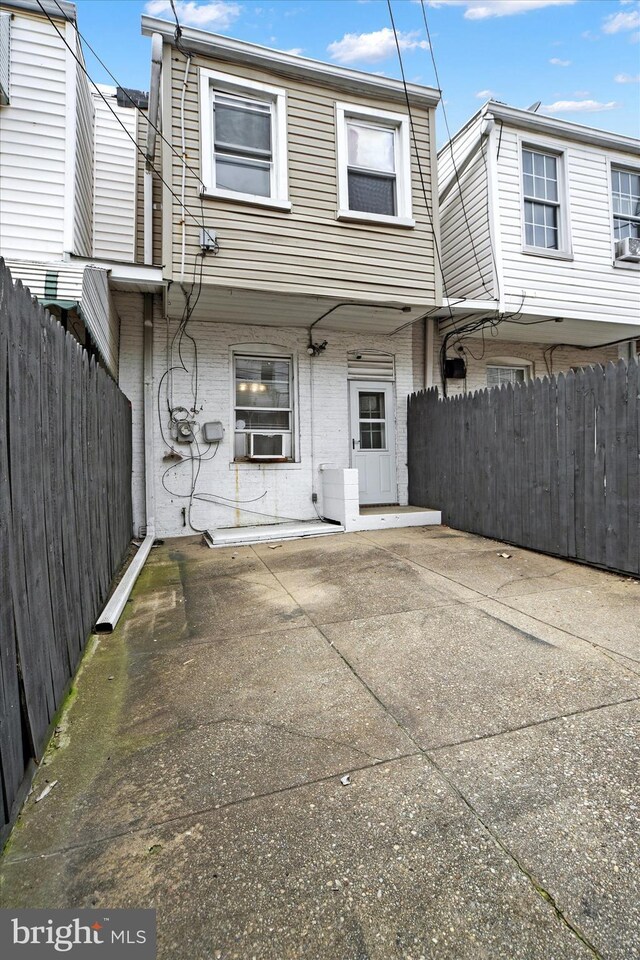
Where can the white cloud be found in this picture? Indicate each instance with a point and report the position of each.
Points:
(213, 13)
(560, 63)
(295, 51)
(579, 106)
(484, 94)
(371, 47)
(482, 9)
(616, 22)
(626, 78)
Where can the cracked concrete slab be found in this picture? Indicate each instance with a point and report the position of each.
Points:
(608, 616)
(394, 865)
(457, 673)
(564, 797)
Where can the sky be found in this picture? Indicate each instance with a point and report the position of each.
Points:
(581, 58)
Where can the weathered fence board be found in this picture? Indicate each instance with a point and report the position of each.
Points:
(65, 520)
(552, 464)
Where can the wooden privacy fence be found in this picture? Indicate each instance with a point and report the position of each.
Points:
(65, 520)
(550, 464)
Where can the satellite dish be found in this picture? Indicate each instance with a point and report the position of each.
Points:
(534, 107)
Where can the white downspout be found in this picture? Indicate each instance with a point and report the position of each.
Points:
(429, 323)
(153, 116)
(109, 617)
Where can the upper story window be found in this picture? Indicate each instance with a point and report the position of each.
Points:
(374, 169)
(244, 140)
(625, 190)
(541, 189)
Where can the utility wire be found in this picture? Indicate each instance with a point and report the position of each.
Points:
(136, 106)
(455, 166)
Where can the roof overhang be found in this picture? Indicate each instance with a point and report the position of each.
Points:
(132, 277)
(563, 129)
(289, 65)
(62, 9)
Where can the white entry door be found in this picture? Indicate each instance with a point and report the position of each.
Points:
(373, 440)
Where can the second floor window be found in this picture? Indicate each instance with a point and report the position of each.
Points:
(541, 199)
(242, 139)
(374, 167)
(625, 189)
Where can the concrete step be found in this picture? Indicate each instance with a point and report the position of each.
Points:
(261, 533)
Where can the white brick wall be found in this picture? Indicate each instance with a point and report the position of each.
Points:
(478, 356)
(276, 490)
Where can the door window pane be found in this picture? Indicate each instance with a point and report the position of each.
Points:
(372, 436)
(371, 406)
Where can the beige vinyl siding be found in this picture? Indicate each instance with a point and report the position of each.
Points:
(83, 210)
(589, 286)
(467, 258)
(114, 212)
(33, 142)
(306, 250)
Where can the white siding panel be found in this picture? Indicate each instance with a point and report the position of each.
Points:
(588, 286)
(114, 214)
(32, 142)
(99, 315)
(83, 225)
(33, 276)
(467, 259)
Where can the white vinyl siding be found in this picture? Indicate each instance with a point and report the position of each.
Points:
(465, 229)
(33, 127)
(114, 214)
(588, 287)
(5, 56)
(99, 316)
(306, 250)
(83, 210)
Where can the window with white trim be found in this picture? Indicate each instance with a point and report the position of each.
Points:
(244, 148)
(263, 407)
(625, 192)
(501, 373)
(542, 199)
(374, 169)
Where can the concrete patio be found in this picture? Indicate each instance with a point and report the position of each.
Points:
(484, 708)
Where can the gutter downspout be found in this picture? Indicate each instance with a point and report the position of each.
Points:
(152, 117)
(109, 617)
(183, 144)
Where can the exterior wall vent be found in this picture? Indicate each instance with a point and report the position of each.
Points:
(368, 365)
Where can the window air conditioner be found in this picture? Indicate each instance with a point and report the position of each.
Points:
(266, 446)
(628, 249)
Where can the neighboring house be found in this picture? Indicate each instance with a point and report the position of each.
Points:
(540, 220)
(67, 177)
(297, 243)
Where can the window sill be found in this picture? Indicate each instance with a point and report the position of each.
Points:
(247, 198)
(246, 464)
(551, 254)
(361, 216)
